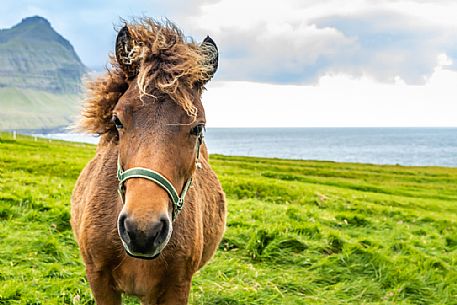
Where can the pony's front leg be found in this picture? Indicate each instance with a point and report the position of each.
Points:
(102, 288)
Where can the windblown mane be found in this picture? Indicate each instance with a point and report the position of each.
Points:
(168, 64)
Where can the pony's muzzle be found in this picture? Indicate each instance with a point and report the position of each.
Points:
(144, 241)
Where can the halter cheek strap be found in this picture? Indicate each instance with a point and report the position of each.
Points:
(141, 172)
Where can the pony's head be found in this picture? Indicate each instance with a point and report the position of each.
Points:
(149, 103)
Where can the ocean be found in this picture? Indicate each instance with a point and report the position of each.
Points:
(404, 146)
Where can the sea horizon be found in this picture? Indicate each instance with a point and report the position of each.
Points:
(409, 146)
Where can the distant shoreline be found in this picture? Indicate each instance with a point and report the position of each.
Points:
(54, 130)
(391, 146)
(67, 129)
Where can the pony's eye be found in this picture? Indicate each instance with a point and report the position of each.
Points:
(197, 130)
(117, 122)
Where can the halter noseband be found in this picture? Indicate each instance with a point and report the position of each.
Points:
(141, 172)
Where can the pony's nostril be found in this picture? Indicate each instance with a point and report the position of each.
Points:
(126, 228)
(157, 228)
(130, 229)
(121, 222)
(165, 224)
(160, 231)
(131, 235)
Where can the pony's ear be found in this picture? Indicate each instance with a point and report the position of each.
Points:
(127, 53)
(209, 49)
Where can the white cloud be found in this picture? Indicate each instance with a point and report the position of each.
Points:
(282, 54)
(298, 41)
(440, 12)
(336, 101)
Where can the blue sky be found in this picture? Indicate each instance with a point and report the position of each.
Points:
(295, 46)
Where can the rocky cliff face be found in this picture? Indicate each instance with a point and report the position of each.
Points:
(34, 56)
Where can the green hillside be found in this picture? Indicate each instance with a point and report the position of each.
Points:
(40, 77)
(34, 56)
(34, 109)
(299, 232)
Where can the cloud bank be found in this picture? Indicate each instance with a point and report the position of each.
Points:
(291, 42)
(299, 43)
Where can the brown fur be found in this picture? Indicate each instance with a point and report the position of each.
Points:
(158, 109)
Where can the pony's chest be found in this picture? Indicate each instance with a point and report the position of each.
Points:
(135, 277)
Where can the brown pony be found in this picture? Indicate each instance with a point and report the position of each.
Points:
(148, 111)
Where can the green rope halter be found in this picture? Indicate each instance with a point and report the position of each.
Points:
(141, 172)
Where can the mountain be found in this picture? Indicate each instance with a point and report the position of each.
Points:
(34, 56)
(40, 76)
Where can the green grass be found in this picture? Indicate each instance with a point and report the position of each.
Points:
(35, 109)
(299, 232)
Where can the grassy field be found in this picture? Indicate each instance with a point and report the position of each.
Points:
(299, 232)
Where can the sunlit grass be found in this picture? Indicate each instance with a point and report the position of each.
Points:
(299, 232)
